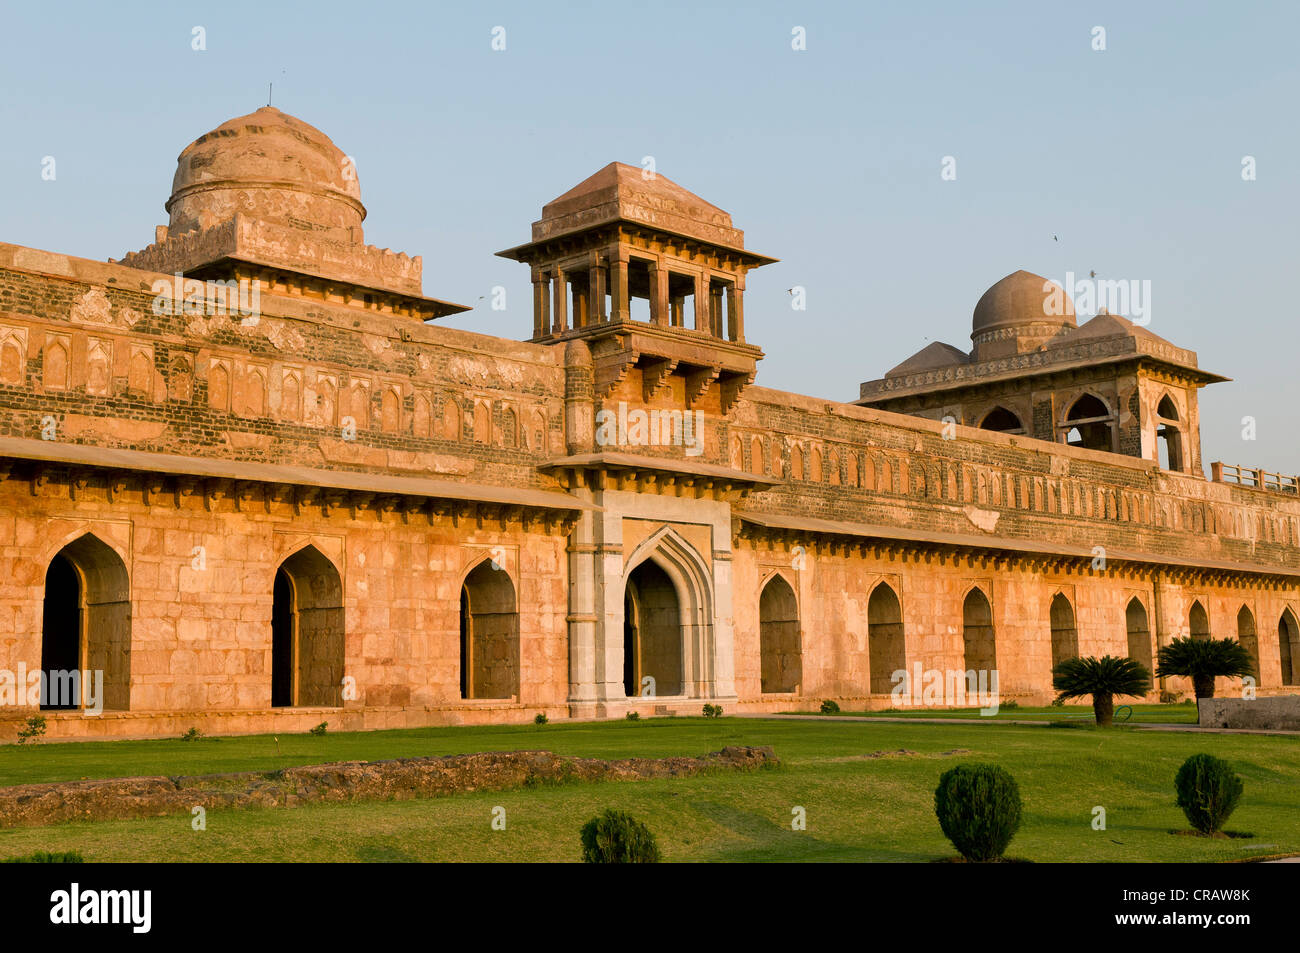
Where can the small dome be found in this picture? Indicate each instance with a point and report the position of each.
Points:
(267, 165)
(1022, 299)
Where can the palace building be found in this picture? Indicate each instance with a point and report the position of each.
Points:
(249, 484)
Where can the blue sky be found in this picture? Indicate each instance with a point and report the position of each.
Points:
(828, 158)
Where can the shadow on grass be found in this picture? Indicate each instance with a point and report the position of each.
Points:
(771, 842)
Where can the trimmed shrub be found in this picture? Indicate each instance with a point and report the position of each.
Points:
(712, 711)
(830, 708)
(320, 729)
(617, 837)
(634, 716)
(978, 806)
(541, 718)
(1208, 791)
(44, 857)
(192, 735)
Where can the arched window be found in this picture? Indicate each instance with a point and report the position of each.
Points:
(1169, 437)
(1288, 638)
(1139, 632)
(778, 628)
(1065, 637)
(652, 633)
(1198, 622)
(307, 639)
(977, 633)
(1002, 420)
(86, 627)
(489, 634)
(1247, 636)
(886, 647)
(1089, 424)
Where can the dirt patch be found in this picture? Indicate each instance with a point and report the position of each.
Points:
(900, 753)
(35, 805)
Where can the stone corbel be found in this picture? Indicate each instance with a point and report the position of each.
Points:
(654, 374)
(611, 369)
(278, 493)
(698, 384)
(185, 488)
(77, 483)
(358, 500)
(731, 388)
(244, 492)
(304, 496)
(214, 490)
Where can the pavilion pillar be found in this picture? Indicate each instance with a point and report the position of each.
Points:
(560, 294)
(702, 319)
(659, 294)
(541, 305)
(620, 306)
(736, 319)
(596, 290)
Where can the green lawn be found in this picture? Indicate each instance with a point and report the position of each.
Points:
(1141, 714)
(858, 808)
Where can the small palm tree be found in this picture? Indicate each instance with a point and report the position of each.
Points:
(1204, 660)
(1102, 678)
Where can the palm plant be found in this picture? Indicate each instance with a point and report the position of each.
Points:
(1204, 660)
(1102, 678)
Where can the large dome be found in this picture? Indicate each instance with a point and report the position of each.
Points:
(1022, 299)
(267, 165)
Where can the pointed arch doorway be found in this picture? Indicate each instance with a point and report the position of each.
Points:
(667, 626)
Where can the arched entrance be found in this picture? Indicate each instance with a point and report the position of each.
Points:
(1288, 639)
(667, 626)
(307, 635)
(652, 633)
(489, 634)
(1065, 637)
(778, 637)
(86, 627)
(1198, 622)
(977, 633)
(886, 648)
(1139, 632)
(1247, 635)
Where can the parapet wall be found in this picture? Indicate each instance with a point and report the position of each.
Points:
(86, 357)
(856, 465)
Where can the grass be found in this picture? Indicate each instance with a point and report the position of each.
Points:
(1142, 714)
(858, 808)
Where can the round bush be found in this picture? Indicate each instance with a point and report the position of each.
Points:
(617, 837)
(830, 708)
(1208, 791)
(978, 806)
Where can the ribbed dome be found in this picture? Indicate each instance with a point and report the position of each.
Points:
(1022, 299)
(267, 165)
